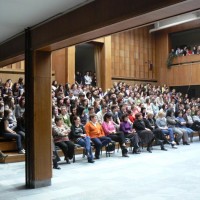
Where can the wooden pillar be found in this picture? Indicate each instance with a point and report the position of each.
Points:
(105, 71)
(38, 120)
(70, 64)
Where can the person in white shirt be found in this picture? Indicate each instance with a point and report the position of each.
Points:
(87, 79)
(101, 113)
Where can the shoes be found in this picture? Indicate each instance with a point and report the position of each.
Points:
(186, 143)
(163, 148)
(2, 155)
(149, 149)
(174, 146)
(136, 151)
(57, 167)
(67, 161)
(173, 142)
(125, 155)
(91, 161)
(97, 157)
(22, 151)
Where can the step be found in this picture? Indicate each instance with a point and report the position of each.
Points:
(8, 145)
(13, 157)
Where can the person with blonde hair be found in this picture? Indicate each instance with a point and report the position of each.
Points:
(161, 122)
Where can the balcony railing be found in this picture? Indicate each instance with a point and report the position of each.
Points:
(186, 59)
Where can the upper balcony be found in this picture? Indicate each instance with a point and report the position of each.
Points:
(186, 59)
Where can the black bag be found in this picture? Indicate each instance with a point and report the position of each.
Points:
(110, 147)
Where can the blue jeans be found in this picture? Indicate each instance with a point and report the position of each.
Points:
(85, 142)
(169, 132)
(14, 136)
(188, 130)
(99, 143)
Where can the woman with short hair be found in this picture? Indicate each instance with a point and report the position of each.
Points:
(110, 131)
(97, 135)
(60, 134)
(130, 133)
(144, 131)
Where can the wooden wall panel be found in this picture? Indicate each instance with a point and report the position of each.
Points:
(187, 68)
(70, 65)
(133, 52)
(13, 71)
(58, 65)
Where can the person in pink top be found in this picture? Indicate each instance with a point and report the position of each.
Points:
(110, 131)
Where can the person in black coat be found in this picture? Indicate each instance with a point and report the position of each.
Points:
(144, 131)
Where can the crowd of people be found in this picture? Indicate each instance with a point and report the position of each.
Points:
(142, 114)
(186, 50)
(86, 115)
(12, 109)
(87, 78)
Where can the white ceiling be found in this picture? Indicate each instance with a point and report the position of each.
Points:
(16, 15)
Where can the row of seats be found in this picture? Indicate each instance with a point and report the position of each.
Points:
(9, 146)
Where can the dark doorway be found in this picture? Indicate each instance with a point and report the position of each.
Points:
(84, 58)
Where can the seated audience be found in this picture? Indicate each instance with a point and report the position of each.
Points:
(65, 116)
(189, 121)
(180, 133)
(159, 136)
(101, 113)
(8, 133)
(161, 122)
(129, 132)
(110, 131)
(97, 135)
(182, 124)
(60, 135)
(78, 134)
(144, 131)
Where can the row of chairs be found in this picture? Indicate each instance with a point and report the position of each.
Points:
(117, 146)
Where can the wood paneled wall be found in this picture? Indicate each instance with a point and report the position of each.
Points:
(132, 53)
(63, 64)
(13, 71)
(186, 72)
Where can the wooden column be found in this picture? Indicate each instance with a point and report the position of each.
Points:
(38, 120)
(105, 71)
(70, 64)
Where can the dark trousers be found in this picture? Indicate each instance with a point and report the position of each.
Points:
(118, 137)
(56, 158)
(99, 143)
(195, 126)
(146, 137)
(134, 139)
(14, 136)
(67, 148)
(22, 134)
